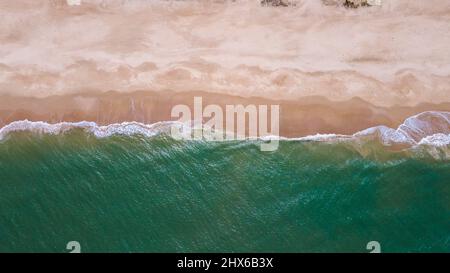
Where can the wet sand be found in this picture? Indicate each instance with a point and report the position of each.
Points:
(302, 117)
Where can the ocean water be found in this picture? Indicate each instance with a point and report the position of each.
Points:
(139, 193)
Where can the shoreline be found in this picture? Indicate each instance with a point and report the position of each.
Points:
(298, 118)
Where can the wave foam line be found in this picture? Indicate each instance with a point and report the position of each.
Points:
(427, 128)
(125, 128)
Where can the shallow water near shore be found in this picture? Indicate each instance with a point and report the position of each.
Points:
(156, 194)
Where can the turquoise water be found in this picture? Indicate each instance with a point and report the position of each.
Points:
(141, 194)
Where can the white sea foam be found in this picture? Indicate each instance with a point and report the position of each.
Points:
(413, 130)
(125, 128)
(387, 136)
(438, 140)
(428, 128)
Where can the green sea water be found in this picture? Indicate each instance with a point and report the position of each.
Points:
(156, 194)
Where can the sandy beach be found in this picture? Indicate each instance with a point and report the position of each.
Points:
(332, 69)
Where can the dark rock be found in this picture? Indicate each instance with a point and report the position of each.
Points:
(347, 3)
(276, 3)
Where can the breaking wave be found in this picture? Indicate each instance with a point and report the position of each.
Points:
(428, 128)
